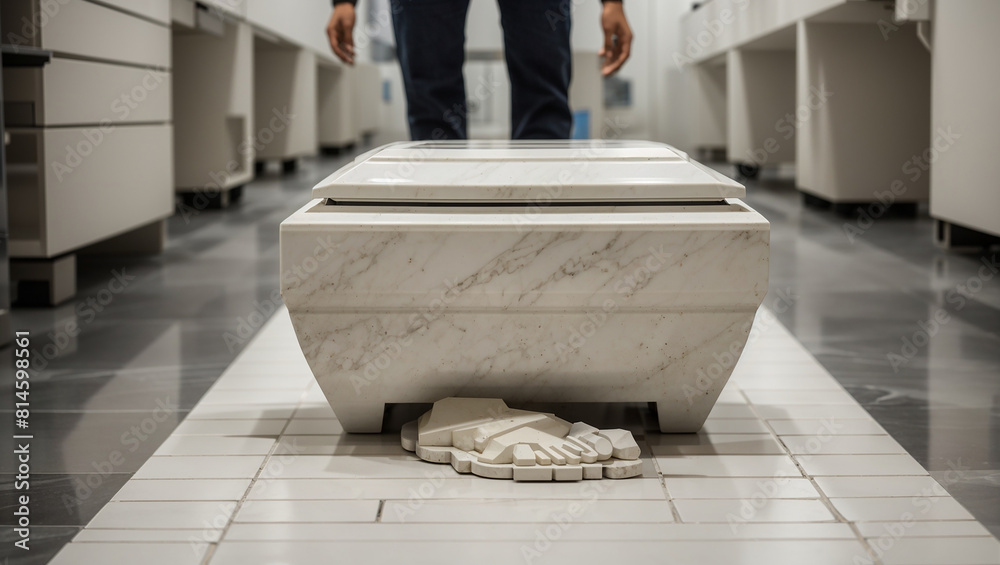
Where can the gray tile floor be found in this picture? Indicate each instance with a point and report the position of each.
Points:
(766, 481)
(864, 306)
(139, 365)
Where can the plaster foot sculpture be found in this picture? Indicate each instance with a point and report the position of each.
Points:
(485, 437)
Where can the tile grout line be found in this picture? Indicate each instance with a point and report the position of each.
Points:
(253, 481)
(212, 547)
(663, 483)
(826, 500)
(822, 495)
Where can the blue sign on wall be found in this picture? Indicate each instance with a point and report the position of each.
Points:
(581, 125)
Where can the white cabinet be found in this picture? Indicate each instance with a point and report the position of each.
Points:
(302, 22)
(285, 101)
(761, 106)
(865, 115)
(339, 122)
(91, 149)
(75, 92)
(368, 92)
(84, 29)
(214, 137)
(706, 96)
(965, 117)
(70, 187)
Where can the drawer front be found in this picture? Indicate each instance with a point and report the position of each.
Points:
(100, 184)
(73, 92)
(81, 92)
(89, 30)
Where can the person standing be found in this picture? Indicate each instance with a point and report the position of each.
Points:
(430, 46)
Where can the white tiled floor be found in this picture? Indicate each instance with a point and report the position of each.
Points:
(788, 470)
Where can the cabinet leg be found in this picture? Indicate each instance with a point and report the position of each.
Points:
(58, 273)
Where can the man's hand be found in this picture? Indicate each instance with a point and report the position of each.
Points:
(617, 38)
(340, 30)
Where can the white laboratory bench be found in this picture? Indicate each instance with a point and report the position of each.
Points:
(213, 102)
(965, 198)
(145, 99)
(285, 101)
(90, 154)
(836, 86)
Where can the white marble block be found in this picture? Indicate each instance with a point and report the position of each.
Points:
(527, 271)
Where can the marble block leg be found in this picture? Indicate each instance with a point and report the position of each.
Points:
(360, 417)
(674, 421)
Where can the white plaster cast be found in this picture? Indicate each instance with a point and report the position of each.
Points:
(485, 437)
(526, 294)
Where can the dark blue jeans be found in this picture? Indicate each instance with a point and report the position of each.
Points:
(430, 44)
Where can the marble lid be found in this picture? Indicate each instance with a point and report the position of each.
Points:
(541, 171)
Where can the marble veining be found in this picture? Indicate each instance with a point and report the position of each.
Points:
(409, 303)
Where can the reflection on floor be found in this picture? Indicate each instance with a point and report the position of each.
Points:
(160, 343)
(165, 340)
(788, 470)
(863, 294)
